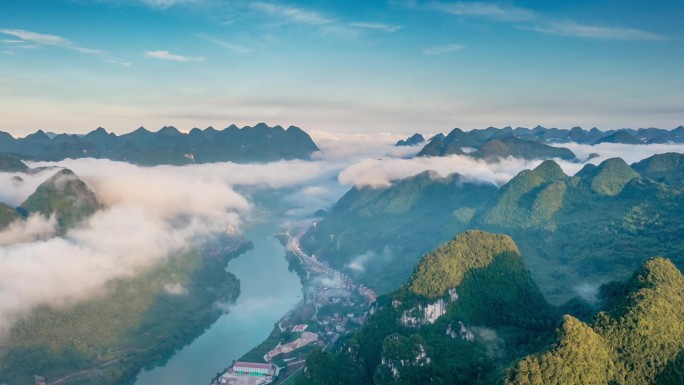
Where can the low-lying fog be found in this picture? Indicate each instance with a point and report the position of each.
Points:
(152, 213)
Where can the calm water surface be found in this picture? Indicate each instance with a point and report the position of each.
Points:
(267, 291)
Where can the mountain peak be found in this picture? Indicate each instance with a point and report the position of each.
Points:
(65, 195)
(9, 163)
(169, 130)
(609, 177)
(412, 140)
(38, 135)
(550, 170)
(655, 272)
(468, 250)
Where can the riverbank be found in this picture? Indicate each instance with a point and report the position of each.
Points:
(268, 289)
(140, 322)
(332, 307)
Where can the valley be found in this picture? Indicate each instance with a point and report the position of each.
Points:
(395, 284)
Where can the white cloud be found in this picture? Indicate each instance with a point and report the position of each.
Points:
(442, 49)
(155, 4)
(33, 40)
(49, 40)
(168, 3)
(15, 187)
(291, 14)
(36, 227)
(631, 153)
(355, 147)
(153, 213)
(530, 20)
(359, 262)
(485, 10)
(381, 173)
(166, 55)
(377, 26)
(573, 28)
(237, 48)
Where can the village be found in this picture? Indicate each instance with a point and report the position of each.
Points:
(332, 306)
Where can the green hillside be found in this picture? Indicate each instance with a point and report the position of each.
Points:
(9, 163)
(493, 146)
(135, 323)
(501, 317)
(587, 229)
(64, 195)
(7, 215)
(393, 227)
(499, 314)
(597, 226)
(668, 168)
(639, 339)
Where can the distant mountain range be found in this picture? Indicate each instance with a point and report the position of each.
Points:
(496, 143)
(260, 143)
(594, 226)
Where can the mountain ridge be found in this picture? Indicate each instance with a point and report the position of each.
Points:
(168, 145)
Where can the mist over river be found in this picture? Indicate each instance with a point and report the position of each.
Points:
(267, 291)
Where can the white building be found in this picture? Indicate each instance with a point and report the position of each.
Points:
(254, 367)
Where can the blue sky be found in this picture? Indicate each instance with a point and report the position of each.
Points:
(346, 66)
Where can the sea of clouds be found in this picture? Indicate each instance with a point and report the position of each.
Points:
(151, 214)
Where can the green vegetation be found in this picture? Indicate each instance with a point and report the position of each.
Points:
(520, 148)
(579, 356)
(7, 215)
(405, 361)
(530, 198)
(388, 230)
(135, 323)
(667, 168)
(64, 195)
(608, 178)
(168, 145)
(9, 163)
(639, 339)
(498, 302)
(594, 227)
(445, 267)
(258, 352)
(493, 147)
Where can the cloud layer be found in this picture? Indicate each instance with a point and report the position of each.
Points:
(166, 55)
(154, 213)
(381, 173)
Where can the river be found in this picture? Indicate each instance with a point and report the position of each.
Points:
(267, 291)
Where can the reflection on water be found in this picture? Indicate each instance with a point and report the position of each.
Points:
(267, 291)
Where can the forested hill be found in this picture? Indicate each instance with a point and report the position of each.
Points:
(495, 317)
(63, 195)
(66, 196)
(637, 340)
(593, 227)
(260, 143)
(470, 308)
(535, 143)
(379, 234)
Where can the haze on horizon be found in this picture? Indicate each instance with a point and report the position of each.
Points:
(386, 66)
